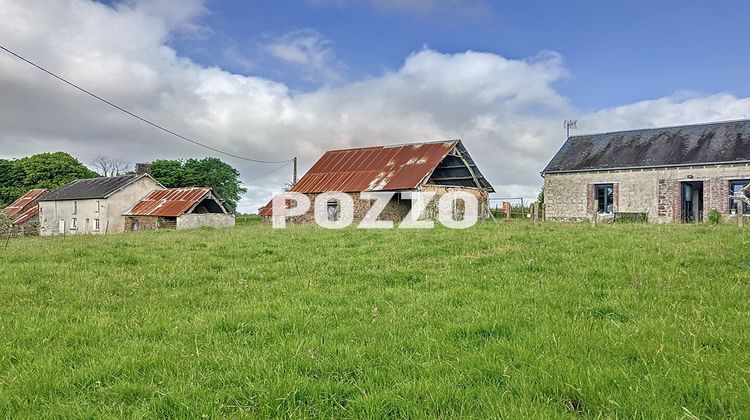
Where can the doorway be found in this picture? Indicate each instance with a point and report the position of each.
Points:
(692, 201)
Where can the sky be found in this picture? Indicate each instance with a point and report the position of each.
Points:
(276, 79)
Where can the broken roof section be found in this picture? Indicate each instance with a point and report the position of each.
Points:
(22, 204)
(173, 202)
(380, 168)
(721, 142)
(86, 189)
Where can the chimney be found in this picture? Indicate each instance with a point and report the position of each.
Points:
(142, 168)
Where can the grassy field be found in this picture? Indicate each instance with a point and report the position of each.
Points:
(502, 320)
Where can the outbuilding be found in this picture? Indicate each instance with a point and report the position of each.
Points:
(24, 213)
(672, 174)
(439, 167)
(179, 208)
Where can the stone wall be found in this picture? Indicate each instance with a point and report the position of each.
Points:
(397, 209)
(656, 192)
(149, 223)
(190, 221)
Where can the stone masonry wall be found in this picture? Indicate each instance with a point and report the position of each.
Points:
(653, 191)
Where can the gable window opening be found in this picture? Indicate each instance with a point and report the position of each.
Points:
(604, 194)
(333, 210)
(734, 188)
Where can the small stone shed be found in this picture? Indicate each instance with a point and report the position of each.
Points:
(179, 208)
(440, 167)
(672, 174)
(24, 213)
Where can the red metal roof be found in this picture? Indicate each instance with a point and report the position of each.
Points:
(381, 168)
(169, 202)
(22, 204)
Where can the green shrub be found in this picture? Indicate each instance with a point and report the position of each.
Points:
(714, 217)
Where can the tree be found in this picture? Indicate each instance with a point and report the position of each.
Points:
(540, 197)
(43, 170)
(208, 172)
(107, 166)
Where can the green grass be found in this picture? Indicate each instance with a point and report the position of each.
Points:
(506, 320)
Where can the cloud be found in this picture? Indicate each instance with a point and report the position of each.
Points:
(308, 50)
(507, 111)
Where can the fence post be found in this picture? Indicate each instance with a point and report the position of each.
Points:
(596, 213)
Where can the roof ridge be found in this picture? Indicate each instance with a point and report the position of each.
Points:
(382, 146)
(631, 130)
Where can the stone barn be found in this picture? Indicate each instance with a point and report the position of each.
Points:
(179, 208)
(24, 213)
(673, 174)
(440, 167)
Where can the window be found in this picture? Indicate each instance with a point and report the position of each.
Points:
(73, 223)
(605, 194)
(734, 188)
(96, 224)
(98, 206)
(333, 211)
(61, 226)
(75, 207)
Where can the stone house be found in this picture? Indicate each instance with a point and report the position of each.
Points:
(92, 206)
(672, 174)
(179, 208)
(440, 167)
(24, 213)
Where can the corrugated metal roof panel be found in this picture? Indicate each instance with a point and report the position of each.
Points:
(24, 216)
(382, 168)
(24, 201)
(169, 202)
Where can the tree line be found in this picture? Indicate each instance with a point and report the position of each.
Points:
(53, 170)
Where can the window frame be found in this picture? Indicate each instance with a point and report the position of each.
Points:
(73, 223)
(335, 205)
(732, 202)
(75, 207)
(97, 224)
(603, 205)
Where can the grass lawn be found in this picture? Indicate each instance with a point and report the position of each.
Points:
(501, 320)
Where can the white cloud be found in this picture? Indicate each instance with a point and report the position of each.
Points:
(506, 111)
(308, 50)
(419, 7)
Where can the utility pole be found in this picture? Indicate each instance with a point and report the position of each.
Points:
(294, 174)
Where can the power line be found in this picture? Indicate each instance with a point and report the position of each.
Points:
(180, 136)
(267, 173)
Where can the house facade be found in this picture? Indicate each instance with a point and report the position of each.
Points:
(24, 213)
(673, 174)
(92, 206)
(439, 167)
(179, 208)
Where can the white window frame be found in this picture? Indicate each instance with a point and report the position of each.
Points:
(73, 223)
(97, 224)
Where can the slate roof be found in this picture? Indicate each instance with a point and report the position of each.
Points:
(720, 142)
(172, 202)
(85, 189)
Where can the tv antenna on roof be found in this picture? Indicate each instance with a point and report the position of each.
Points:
(568, 124)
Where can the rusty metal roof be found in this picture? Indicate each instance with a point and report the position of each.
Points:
(168, 202)
(380, 168)
(721, 142)
(25, 215)
(21, 205)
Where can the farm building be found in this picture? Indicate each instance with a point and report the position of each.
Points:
(439, 167)
(24, 213)
(179, 208)
(92, 206)
(673, 174)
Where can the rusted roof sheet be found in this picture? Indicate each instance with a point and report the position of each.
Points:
(22, 204)
(24, 216)
(721, 142)
(169, 202)
(381, 168)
